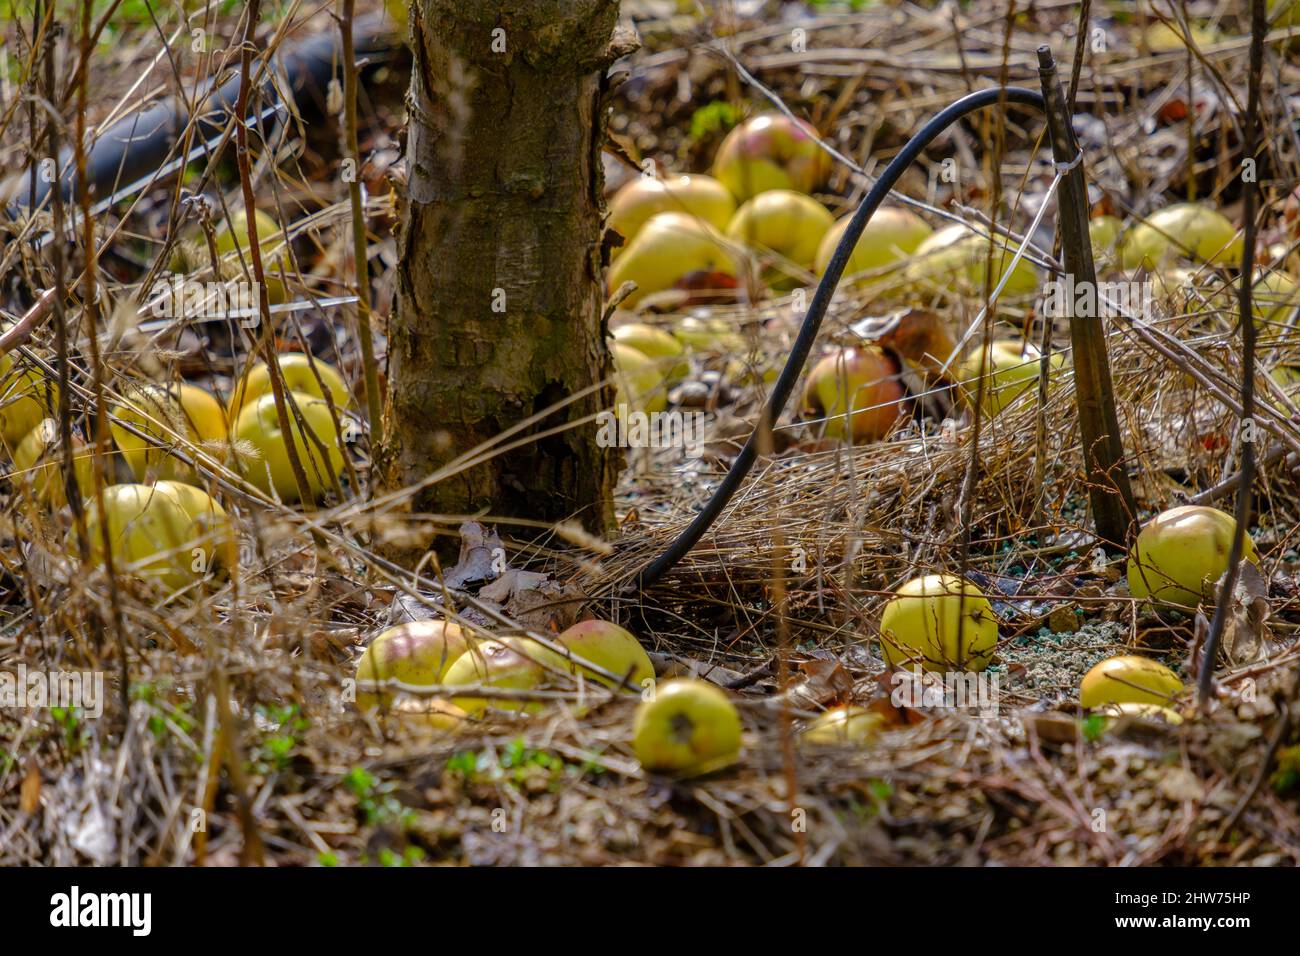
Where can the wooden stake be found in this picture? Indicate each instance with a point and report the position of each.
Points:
(1113, 509)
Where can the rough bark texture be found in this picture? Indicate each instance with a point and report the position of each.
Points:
(499, 288)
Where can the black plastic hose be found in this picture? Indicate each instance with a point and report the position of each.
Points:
(785, 383)
(140, 142)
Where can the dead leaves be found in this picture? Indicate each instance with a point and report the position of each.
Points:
(1246, 633)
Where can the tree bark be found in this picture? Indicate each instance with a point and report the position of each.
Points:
(499, 284)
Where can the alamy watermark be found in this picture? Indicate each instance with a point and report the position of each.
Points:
(179, 297)
(27, 689)
(951, 690)
(631, 428)
(1065, 298)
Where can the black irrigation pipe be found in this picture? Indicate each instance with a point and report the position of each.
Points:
(139, 143)
(812, 322)
(1065, 152)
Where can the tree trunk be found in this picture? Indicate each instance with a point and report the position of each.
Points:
(499, 286)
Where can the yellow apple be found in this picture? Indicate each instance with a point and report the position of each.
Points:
(1008, 374)
(783, 221)
(891, 235)
(639, 384)
(299, 371)
(149, 532)
(1103, 234)
(1115, 712)
(1279, 19)
(606, 645)
(1288, 377)
(940, 622)
(1162, 38)
(708, 335)
(26, 398)
(161, 412)
(428, 715)
(1274, 298)
(861, 383)
(844, 725)
(687, 727)
(1183, 230)
(261, 455)
(668, 354)
(510, 663)
(398, 11)
(233, 234)
(210, 527)
(1180, 554)
(1128, 679)
(771, 151)
(417, 653)
(701, 197)
(674, 250)
(956, 259)
(38, 465)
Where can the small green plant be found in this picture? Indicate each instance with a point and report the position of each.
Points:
(1092, 727)
(1287, 775)
(75, 732)
(408, 857)
(375, 800)
(715, 117)
(277, 747)
(516, 763)
(165, 714)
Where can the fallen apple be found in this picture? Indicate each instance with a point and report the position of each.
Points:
(671, 251)
(1183, 230)
(426, 714)
(668, 354)
(418, 653)
(1283, 14)
(1180, 554)
(1129, 709)
(162, 412)
(1274, 298)
(1007, 374)
(210, 527)
(1128, 679)
(510, 663)
(639, 384)
(1163, 38)
(1288, 378)
(940, 622)
(606, 645)
(260, 453)
(397, 11)
(861, 384)
(300, 372)
(708, 335)
(38, 465)
(26, 398)
(956, 259)
(771, 151)
(890, 236)
(149, 533)
(843, 725)
(785, 222)
(687, 727)
(701, 197)
(1103, 234)
(233, 234)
